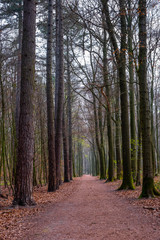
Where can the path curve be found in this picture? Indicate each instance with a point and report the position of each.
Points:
(93, 212)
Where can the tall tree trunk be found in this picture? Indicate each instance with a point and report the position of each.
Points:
(127, 177)
(118, 142)
(102, 169)
(152, 123)
(157, 139)
(17, 110)
(121, 63)
(24, 170)
(20, 24)
(101, 135)
(1, 93)
(139, 156)
(3, 135)
(50, 107)
(59, 90)
(73, 159)
(69, 110)
(65, 152)
(109, 121)
(132, 96)
(148, 189)
(43, 148)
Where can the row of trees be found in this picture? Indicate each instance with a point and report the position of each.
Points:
(117, 63)
(95, 79)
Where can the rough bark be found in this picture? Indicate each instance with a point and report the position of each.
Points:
(148, 189)
(1, 93)
(50, 107)
(121, 64)
(17, 110)
(157, 140)
(69, 111)
(118, 142)
(24, 170)
(109, 121)
(59, 90)
(100, 147)
(127, 177)
(43, 149)
(65, 152)
(20, 23)
(139, 156)
(2, 126)
(132, 95)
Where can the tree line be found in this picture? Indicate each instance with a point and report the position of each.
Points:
(79, 93)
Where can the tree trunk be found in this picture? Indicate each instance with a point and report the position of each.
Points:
(20, 23)
(148, 189)
(17, 110)
(121, 63)
(3, 135)
(69, 110)
(24, 170)
(109, 121)
(1, 96)
(157, 140)
(152, 123)
(43, 149)
(127, 177)
(50, 107)
(59, 90)
(118, 142)
(73, 159)
(102, 170)
(132, 96)
(139, 156)
(65, 152)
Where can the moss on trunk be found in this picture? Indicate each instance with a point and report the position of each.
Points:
(148, 188)
(127, 184)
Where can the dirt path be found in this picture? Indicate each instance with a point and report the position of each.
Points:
(93, 212)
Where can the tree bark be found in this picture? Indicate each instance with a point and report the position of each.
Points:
(109, 121)
(148, 189)
(20, 24)
(100, 147)
(118, 142)
(50, 107)
(24, 170)
(59, 90)
(121, 64)
(69, 111)
(65, 152)
(132, 96)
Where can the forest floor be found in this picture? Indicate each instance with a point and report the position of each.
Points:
(86, 209)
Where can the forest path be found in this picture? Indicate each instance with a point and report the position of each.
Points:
(93, 212)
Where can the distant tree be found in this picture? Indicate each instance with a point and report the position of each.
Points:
(65, 150)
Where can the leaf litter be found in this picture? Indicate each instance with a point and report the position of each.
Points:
(12, 221)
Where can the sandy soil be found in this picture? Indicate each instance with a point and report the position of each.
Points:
(92, 211)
